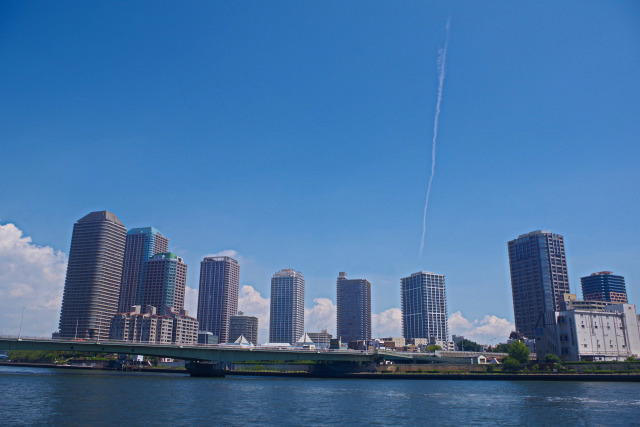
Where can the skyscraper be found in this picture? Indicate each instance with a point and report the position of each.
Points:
(246, 326)
(92, 285)
(165, 277)
(353, 309)
(286, 318)
(141, 244)
(424, 306)
(539, 277)
(604, 286)
(218, 295)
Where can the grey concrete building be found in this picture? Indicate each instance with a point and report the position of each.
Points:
(286, 319)
(94, 271)
(353, 300)
(424, 306)
(539, 278)
(246, 326)
(218, 294)
(141, 245)
(321, 339)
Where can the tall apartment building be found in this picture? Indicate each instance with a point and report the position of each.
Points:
(247, 326)
(218, 295)
(164, 282)
(141, 245)
(604, 286)
(94, 270)
(353, 309)
(424, 306)
(286, 319)
(539, 278)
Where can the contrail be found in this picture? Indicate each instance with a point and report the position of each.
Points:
(442, 59)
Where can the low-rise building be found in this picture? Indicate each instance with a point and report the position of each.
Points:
(321, 339)
(149, 327)
(592, 335)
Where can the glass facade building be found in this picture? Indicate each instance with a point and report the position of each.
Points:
(218, 295)
(604, 286)
(141, 245)
(539, 278)
(94, 270)
(353, 299)
(286, 318)
(247, 326)
(424, 306)
(165, 278)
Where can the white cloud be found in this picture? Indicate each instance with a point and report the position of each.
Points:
(387, 324)
(227, 252)
(321, 316)
(31, 276)
(253, 304)
(488, 330)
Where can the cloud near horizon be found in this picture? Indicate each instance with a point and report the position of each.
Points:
(32, 277)
(490, 329)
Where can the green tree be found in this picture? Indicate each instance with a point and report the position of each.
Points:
(501, 348)
(510, 364)
(432, 348)
(552, 358)
(519, 351)
(467, 345)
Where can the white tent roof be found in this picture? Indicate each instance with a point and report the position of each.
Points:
(305, 339)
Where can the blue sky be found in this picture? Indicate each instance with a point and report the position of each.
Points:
(298, 134)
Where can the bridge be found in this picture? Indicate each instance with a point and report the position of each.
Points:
(213, 360)
(213, 353)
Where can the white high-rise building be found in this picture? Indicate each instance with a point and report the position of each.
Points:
(424, 306)
(286, 320)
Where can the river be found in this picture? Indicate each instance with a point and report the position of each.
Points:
(36, 396)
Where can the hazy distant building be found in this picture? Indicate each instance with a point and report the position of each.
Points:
(424, 306)
(218, 295)
(164, 282)
(141, 245)
(286, 319)
(94, 270)
(604, 286)
(539, 278)
(353, 309)
(246, 326)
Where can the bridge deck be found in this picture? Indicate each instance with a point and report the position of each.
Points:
(187, 352)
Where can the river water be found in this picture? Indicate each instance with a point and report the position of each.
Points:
(30, 396)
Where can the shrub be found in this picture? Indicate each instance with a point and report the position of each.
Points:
(510, 364)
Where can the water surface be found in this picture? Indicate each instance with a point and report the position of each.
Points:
(31, 396)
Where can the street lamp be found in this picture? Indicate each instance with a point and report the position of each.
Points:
(21, 318)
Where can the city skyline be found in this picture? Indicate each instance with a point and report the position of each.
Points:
(299, 135)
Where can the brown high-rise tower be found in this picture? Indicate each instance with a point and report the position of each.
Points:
(94, 271)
